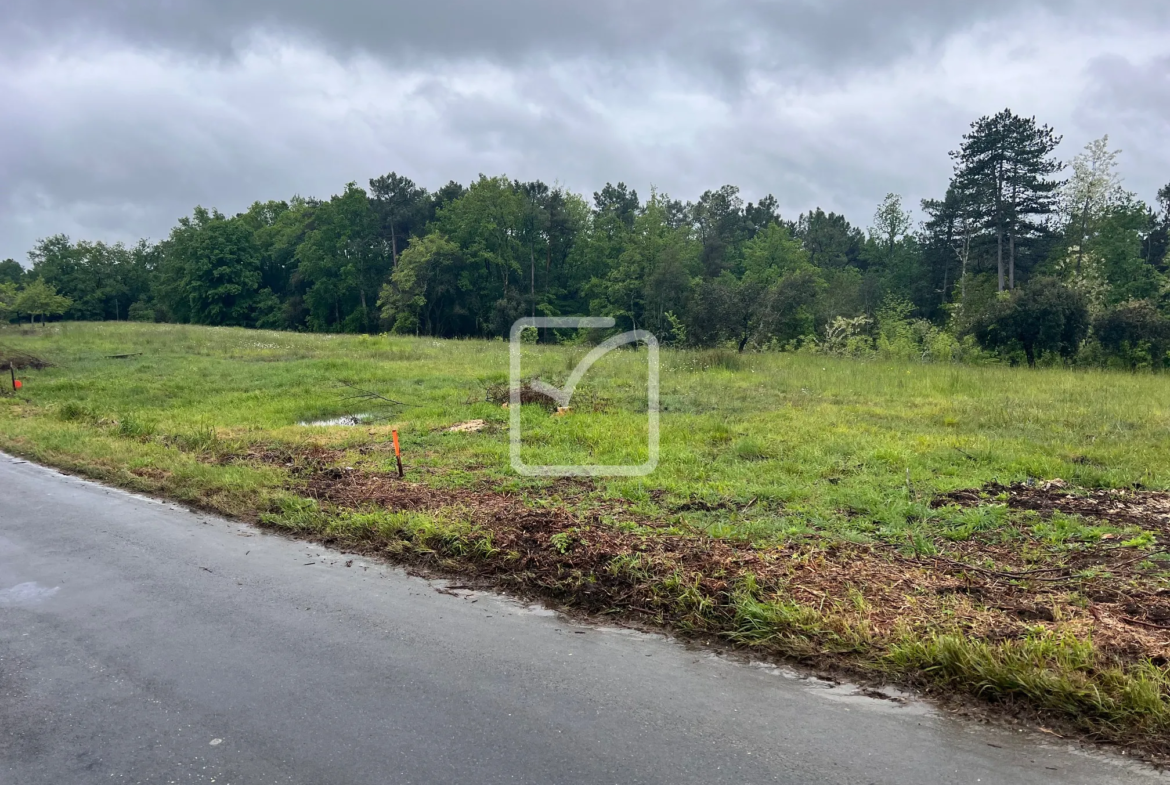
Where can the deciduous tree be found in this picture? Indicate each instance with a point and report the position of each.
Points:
(11, 272)
(1044, 316)
(1085, 197)
(40, 299)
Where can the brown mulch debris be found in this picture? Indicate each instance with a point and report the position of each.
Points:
(300, 460)
(12, 359)
(502, 394)
(1147, 509)
(471, 426)
(873, 586)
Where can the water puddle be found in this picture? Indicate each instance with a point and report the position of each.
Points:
(30, 593)
(344, 420)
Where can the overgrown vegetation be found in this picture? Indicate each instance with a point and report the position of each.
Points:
(898, 519)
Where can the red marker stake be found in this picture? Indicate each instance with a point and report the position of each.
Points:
(397, 451)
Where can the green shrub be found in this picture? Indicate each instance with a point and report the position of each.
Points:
(1044, 317)
(1136, 333)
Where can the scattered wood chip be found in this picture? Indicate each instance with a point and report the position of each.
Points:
(471, 426)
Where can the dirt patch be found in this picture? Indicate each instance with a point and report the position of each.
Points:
(545, 547)
(299, 460)
(1148, 509)
(987, 590)
(501, 394)
(151, 473)
(707, 505)
(12, 359)
(471, 426)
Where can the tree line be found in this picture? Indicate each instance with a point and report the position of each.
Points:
(1023, 257)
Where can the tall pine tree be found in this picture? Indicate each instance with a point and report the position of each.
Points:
(1005, 165)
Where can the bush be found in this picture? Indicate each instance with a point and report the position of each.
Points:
(1135, 332)
(902, 338)
(1043, 317)
(847, 337)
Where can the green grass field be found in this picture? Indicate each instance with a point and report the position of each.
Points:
(804, 505)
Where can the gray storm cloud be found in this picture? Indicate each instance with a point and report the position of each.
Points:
(120, 117)
(825, 33)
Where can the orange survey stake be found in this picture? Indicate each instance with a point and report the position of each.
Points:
(397, 451)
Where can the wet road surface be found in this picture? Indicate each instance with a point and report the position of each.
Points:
(143, 643)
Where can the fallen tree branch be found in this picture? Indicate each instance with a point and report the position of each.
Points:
(370, 395)
(1138, 558)
(1026, 575)
(1030, 575)
(1141, 623)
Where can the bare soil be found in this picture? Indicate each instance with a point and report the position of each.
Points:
(988, 589)
(1148, 509)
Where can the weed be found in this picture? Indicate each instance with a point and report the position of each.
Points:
(202, 439)
(72, 411)
(1058, 673)
(131, 427)
(718, 359)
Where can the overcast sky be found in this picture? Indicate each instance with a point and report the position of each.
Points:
(117, 117)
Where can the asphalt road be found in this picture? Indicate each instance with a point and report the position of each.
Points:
(141, 643)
